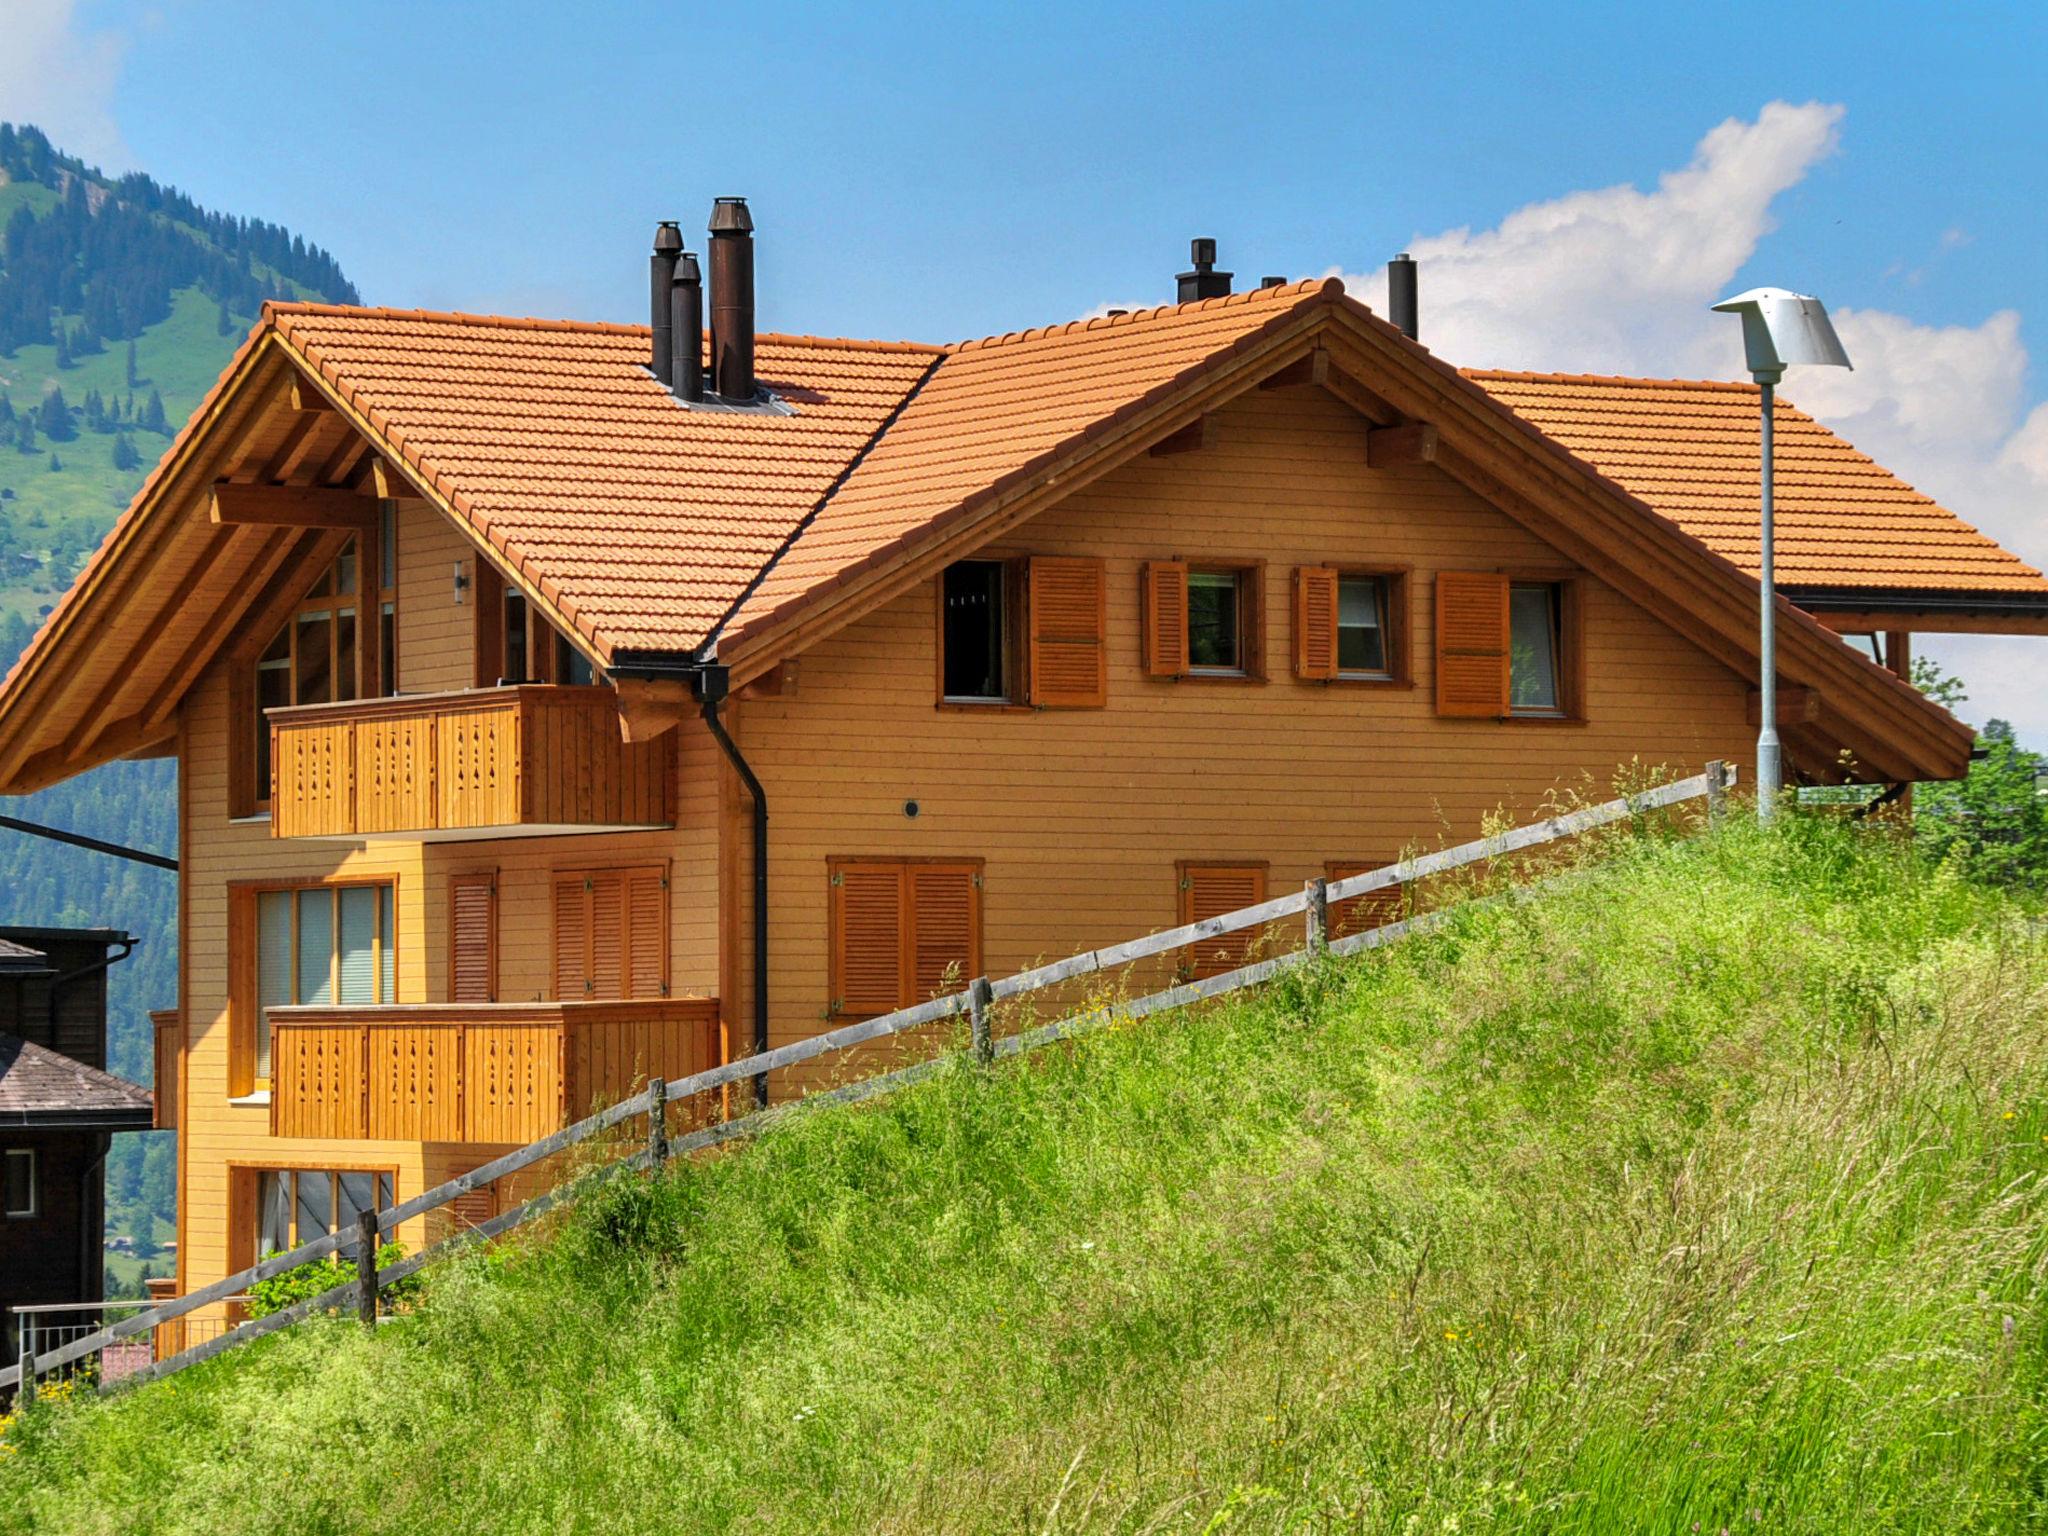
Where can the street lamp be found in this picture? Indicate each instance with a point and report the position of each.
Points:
(1779, 328)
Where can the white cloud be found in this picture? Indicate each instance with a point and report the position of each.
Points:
(61, 78)
(1618, 280)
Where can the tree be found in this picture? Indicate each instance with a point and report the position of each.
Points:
(63, 349)
(1994, 821)
(134, 379)
(153, 414)
(56, 464)
(125, 456)
(54, 418)
(223, 322)
(25, 434)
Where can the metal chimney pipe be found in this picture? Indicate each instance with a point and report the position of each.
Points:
(686, 318)
(668, 245)
(1403, 303)
(732, 299)
(1204, 282)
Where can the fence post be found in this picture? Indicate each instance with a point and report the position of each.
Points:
(366, 1267)
(1317, 914)
(27, 1392)
(657, 1119)
(980, 997)
(1717, 791)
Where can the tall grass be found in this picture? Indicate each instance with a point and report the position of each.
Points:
(1704, 1193)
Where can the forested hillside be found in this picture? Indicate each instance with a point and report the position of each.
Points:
(120, 301)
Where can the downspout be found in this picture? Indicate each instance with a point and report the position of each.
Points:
(712, 683)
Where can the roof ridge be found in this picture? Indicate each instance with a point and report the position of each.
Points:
(286, 308)
(1527, 376)
(1308, 287)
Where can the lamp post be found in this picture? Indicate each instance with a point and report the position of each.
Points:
(1779, 328)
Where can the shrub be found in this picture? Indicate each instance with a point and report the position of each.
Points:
(322, 1275)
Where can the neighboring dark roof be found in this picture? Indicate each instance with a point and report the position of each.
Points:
(43, 1088)
(16, 933)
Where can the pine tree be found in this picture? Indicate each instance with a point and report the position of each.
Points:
(134, 379)
(153, 414)
(125, 456)
(223, 322)
(63, 349)
(25, 433)
(55, 418)
(56, 464)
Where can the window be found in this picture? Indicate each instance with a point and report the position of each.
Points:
(1533, 646)
(1374, 909)
(1202, 620)
(1507, 648)
(322, 652)
(306, 945)
(974, 634)
(1210, 890)
(514, 644)
(473, 937)
(296, 1205)
(21, 1181)
(1023, 631)
(903, 931)
(611, 933)
(1351, 625)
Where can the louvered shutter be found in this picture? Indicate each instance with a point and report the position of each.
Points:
(1472, 644)
(473, 937)
(1315, 622)
(572, 936)
(1164, 605)
(945, 922)
(1210, 890)
(607, 933)
(647, 933)
(1065, 602)
(867, 939)
(1375, 909)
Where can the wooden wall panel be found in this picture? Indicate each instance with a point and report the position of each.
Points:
(436, 634)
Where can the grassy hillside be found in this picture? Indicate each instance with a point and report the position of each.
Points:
(1706, 1194)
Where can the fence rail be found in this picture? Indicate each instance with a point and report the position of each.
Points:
(1311, 903)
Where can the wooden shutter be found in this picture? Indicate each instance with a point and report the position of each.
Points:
(607, 933)
(1066, 603)
(1315, 622)
(572, 936)
(867, 938)
(1375, 909)
(1164, 615)
(945, 929)
(473, 937)
(1210, 890)
(647, 933)
(1472, 644)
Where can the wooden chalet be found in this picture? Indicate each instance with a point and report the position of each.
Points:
(495, 653)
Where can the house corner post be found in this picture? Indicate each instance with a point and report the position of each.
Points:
(980, 998)
(366, 1268)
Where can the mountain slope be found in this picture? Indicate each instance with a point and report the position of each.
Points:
(1705, 1192)
(120, 302)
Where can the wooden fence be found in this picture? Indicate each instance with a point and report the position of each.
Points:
(1311, 904)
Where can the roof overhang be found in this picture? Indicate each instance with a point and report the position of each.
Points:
(77, 1119)
(1866, 610)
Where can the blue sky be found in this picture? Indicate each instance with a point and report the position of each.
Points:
(946, 171)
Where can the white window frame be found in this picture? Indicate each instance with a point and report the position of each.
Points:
(35, 1185)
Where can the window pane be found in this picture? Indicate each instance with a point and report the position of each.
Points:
(387, 948)
(387, 514)
(315, 642)
(515, 638)
(21, 1182)
(1532, 647)
(383, 1191)
(345, 569)
(357, 1189)
(974, 630)
(315, 1205)
(273, 691)
(273, 966)
(387, 653)
(1361, 624)
(273, 1214)
(345, 654)
(1212, 619)
(571, 665)
(358, 943)
(316, 947)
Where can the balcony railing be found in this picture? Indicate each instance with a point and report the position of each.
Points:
(481, 1072)
(521, 761)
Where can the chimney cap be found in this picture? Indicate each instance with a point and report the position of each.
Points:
(1273, 282)
(1202, 253)
(668, 238)
(729, 216)
(686, 269)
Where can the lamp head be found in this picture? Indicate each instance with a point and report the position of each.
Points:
(1781, 328)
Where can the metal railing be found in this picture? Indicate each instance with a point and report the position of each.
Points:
(975, 1002)
(46, 1329)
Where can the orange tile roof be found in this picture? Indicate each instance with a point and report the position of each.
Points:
(644, 522)
(1689, 450)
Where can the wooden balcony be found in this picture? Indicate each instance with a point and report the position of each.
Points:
(523, 761)
(486, 1072)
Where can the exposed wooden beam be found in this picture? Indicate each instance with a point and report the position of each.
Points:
(298, 431)
(392, 482)
(307, 397)
(1314, 368)
(131, 738)
(648, 708)
(313, 448)
(1197, 434)
(290, 506)
(1412, 442)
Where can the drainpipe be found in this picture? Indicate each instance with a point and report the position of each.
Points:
(713, 682)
